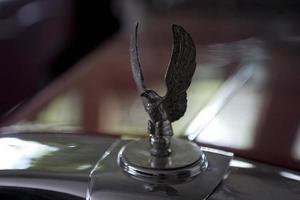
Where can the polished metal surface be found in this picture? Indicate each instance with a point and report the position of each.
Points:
(66, 171)
(108, 180)
(184, 163)
(250, 180)
(49, 161)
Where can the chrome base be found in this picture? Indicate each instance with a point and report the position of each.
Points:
(185, 162)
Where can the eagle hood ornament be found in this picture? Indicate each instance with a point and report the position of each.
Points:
(161, 169)
(157, 161)
(169, 108)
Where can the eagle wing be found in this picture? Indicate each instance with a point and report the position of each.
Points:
(179, 74)
(135, 63)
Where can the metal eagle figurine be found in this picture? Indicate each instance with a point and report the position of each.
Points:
(169, 108)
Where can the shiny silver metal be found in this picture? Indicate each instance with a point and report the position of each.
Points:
(184, 163)
(108, 180)
(257, 181)
(67, 171)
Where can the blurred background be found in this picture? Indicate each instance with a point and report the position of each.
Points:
(65, 67)
(40, 39)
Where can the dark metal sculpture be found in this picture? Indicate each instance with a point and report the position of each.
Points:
(161, 163)
(169, 108)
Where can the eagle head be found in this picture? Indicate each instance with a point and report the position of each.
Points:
(152, 102)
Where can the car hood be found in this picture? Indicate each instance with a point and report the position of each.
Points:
(65, 162)
(50, 161)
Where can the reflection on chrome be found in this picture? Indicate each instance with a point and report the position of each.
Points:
(241, 164)
(290, 175)
(217, 151)
(83, 167)
(72, 145)
(20, 154)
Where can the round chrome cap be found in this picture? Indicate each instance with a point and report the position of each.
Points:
(185, 162)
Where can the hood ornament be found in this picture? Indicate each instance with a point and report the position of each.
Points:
(162, 160)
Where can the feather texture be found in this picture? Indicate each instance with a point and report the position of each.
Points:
(179, 74)
(178, 77)
(135, 63)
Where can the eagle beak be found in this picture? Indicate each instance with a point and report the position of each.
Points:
(144, 94)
